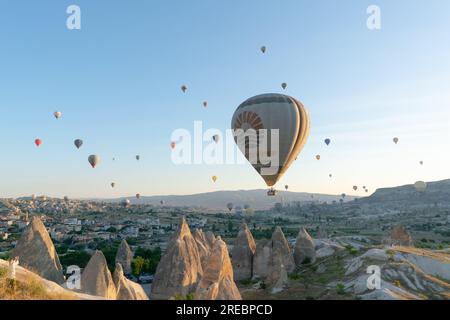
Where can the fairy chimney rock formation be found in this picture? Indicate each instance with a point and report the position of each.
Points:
(304, 250)
(243, 254)
(96, 278)
(124, 256)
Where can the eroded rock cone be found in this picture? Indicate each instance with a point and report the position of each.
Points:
(124, 256)
(210, 238)
(281, 250)
(217, 282)
(243, 253)
(127, 289)
(37, 253)
(180, 269)
(202, 246)
(96, 278)
(304, 250)
(262, 259)
(399, 236)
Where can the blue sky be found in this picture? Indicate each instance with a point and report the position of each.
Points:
(117, 82)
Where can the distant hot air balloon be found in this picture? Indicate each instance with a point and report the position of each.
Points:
(161, 202)
(420, 186)
(367, 190)
(355, 188)
(284, 85)
(38, 142)
(57, 114)
(214, 178)
(421, 163)
(286, 187)
(216, 138)
(66, 198)
(78, 143)
(138, 196)
(271, 112)
(341, 200)
(113, 184)
(364, 187)
(126, 203)
(33, 197)
(184, 88)
(173, 144)
(318, 157)
(327, 141)
(330, 175)
(395, 140)
(343, 195)
(263, 49)
(230, 206)
(94, 160)
(138, 157)
(205, 104)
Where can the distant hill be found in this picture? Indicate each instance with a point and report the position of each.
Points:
(257, 199)
(437, 193)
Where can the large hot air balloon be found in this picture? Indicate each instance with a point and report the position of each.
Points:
(138, 157)
(38, 142)
(271, 112)
(327, 141)
(395, 140)
(138, 196)
(420, 186)
(230, 206)
(263, 49)
(214, 178)
(355, 188)
(318, 157)
(78, 143)
(113, 184)
(94, 160)
(57, 114)
(184, 88)
(216, 138)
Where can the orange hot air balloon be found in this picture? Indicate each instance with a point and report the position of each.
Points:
(318, 157)
(173, 144)
(38, 142)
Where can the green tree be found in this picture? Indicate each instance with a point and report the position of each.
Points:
(137, 265)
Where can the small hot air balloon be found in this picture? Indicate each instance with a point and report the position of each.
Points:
(113, 184)
(284, 85)
(161, 202)
(66, 198)
(138, 196)
(125, 203)
(57, 114)
(421, 163)
(173, 144)
(184, 88)
(330, 175)
(364, 187)
(327, 141)
(78, 143)
(230, 206)
(214, 178)
(355, 188)
(420, 186)
(216, 138)
(286, 187)
(38, 142)
(343, 195)
(318, 157)
(33, 197)
(205, 104)
(94, 160)
(138, 157)
(367, 190)
(263, 49)
(395, 140)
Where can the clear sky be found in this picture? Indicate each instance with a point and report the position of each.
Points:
(117, 82)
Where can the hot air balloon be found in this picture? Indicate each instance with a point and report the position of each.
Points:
(205, 104)
(138, 196)
(327, 141)
(57, 114)
(33, 197)
(173, 144)
(161, 202)
(395, 140)
(330, 175)
(343, 195)
(94, 160)
(216, 138)
(270, 112)
(66, 198)
(263, 49)
(355, 188)
(318, 157)
(184, 88)
(125, 203)
(341, 200)
(284, 85)
(420, 186)
(286, 187)
(364, 187)
(214, 178)
(230, 206)
(138, 157)
(113, 184)
(421, 163)
(38, 142)
(78, 143)
(367, 190)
